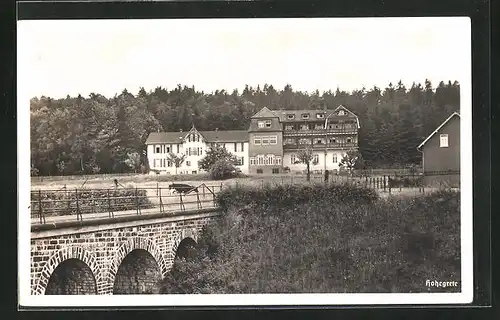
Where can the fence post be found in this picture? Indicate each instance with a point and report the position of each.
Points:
(384, 182)
(389, 183)
(138, 210)
(77, 205)
(161, 200)
(157, 188)
(181, 202)
(110, 211)
(198, 199)
(93, 201)
(40, 210)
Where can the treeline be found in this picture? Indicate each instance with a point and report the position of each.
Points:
(97, 134)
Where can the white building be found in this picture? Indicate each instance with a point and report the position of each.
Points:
(194, 144)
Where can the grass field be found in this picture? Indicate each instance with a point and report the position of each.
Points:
(338, 239)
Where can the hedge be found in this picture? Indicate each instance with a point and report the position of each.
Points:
(89, 201)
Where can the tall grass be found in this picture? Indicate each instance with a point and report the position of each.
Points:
(324, 239)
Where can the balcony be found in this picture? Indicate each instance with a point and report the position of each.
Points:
(321, 146)
(295, 133)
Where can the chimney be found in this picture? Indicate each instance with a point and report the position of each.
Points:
(216, 129)
(180, 130)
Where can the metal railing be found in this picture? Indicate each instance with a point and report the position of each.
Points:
(94, 203)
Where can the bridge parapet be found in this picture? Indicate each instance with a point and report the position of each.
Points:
(124, 254)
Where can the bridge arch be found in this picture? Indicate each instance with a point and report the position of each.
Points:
(136, 253)
(183, 239)
(78, 259)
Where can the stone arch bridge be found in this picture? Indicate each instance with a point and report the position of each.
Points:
(124, 255)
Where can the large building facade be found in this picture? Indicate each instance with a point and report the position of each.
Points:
(194, 145)
(269, 146)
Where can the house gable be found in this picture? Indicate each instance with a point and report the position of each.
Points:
(265, 113)
(438, 129)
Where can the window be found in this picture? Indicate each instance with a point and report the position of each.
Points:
(305, 116)
(341, 113)
(320, 115)
(177, 148)
(252, 161)
(157, 149)
(443, 140)
(293, 159)
(289, 141)
(273, 140)
(318, 127)
(261, 124)
(188, 163)
(265, 141)
(259, 170)
(168, 149)
(334, 158)
(278, 160)
(235, 147)
(290, 116)
(193, 172)
(257, 141)
(169, 163)
(304, 127)
(316, 158)
(304, 141)
(268, 123)
(333, 140)
(349, 140)
(276, 170)
(289, 127)
(319, 141)
(242, 146)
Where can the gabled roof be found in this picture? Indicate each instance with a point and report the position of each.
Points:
(341, 107)
(225, 136)
(165, 137)
(327, 114)
(209, 136)
(265, 113)
(438, 128)
(283, 114)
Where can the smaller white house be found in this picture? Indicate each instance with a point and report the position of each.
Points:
(194, 144)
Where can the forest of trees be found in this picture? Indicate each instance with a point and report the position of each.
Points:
(97, 134)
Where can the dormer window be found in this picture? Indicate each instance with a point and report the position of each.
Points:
(290, 116)
(268, 123)
(261, 124)
(305, 116)
(341, 113)
(320, 115)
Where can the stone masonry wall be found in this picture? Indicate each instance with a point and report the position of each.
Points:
(103, 251)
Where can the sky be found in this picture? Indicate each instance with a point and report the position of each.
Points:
(71, 57)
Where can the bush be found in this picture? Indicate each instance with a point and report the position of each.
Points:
(222, 169)
(324, 244)
(89, 201)
(291, 195)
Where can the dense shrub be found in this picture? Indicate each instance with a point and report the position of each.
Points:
(324, 245)
(89, 201)
(222, 169)
(291, 195)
